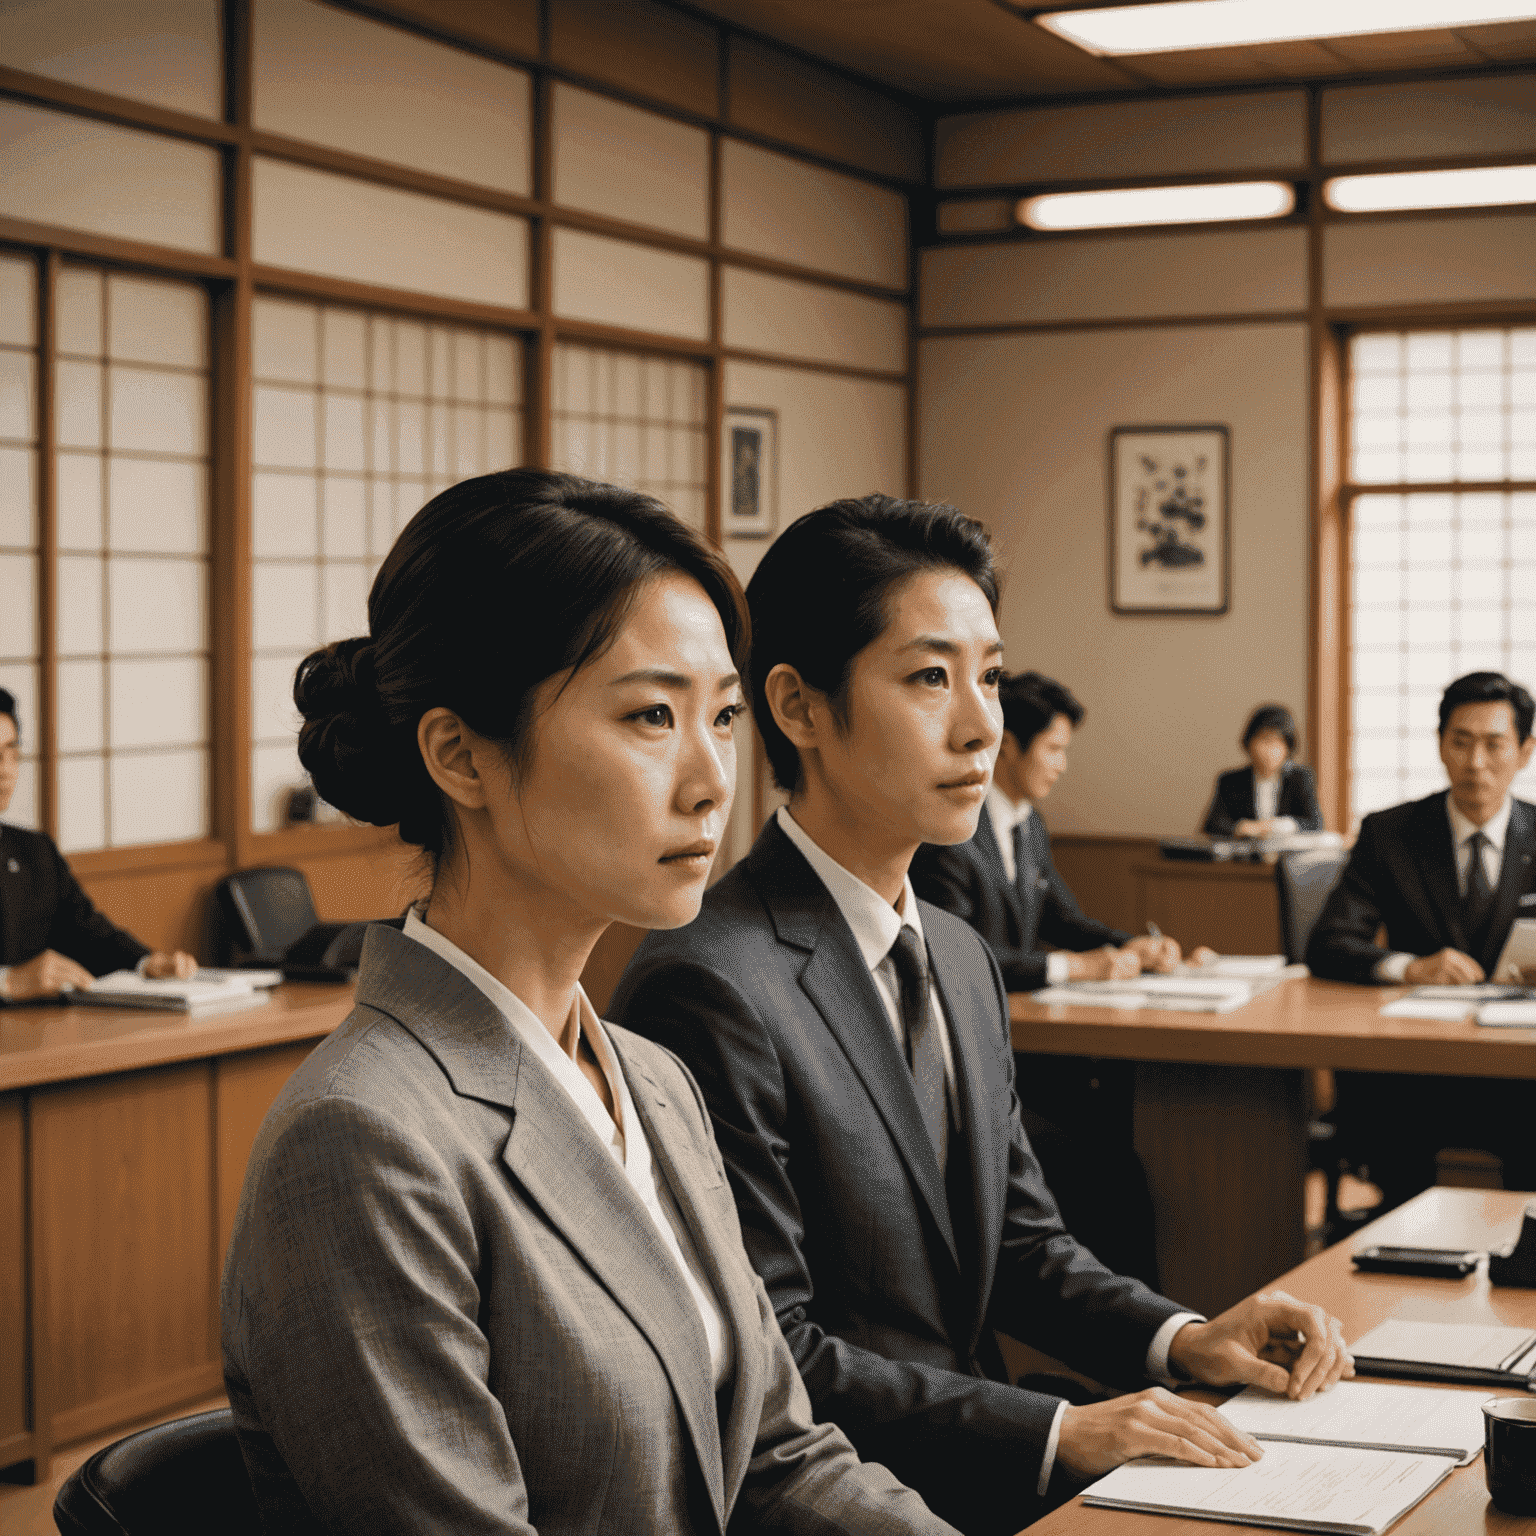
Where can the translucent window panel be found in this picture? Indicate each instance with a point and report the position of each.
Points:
(780, 207)
(617, 160)
(132, 625)
(633, 420)
(310, 220)
(18, 613)
(165, 52)
(615, 283)
(1442, 406)
(18, 301)
(359, 85)
(803, 320)
(359, 418)
(94, 176)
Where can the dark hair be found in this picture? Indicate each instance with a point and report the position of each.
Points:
(1031, 701)
(820, 594)
(496, 585)
(1489, 688)
(8, 707)
(1271, 717)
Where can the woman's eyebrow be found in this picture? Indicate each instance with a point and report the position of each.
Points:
(668, 679)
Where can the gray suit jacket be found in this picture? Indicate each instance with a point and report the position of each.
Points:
(445, 1309)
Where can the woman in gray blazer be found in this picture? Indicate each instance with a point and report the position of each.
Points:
(486, 1274)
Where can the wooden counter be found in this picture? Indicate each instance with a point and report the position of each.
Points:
(1232, 906)
(123, 1142)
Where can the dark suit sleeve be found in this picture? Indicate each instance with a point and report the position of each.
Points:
(1063, 923)
(81, 932)
(697, 1013)
(1219, 820)
(1343, 945)
(1301, 798)
(949, 878)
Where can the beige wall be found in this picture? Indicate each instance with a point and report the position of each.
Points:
(1014, 430)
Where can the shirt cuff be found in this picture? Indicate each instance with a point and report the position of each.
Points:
(1058, 968)
(5, 981)
(1162, 1342)
(1048, 1462)
(1393, 969)
(1283, 826)
(139, 970)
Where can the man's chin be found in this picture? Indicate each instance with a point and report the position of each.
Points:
(958, 826)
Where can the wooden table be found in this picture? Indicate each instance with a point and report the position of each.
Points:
(1222, 1111)
(1451, 1218)
(123, 1142)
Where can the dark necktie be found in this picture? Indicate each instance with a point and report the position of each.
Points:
(924, 1055)
(1477, 903)
(1023, 865)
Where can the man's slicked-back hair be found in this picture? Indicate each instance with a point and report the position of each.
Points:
(822, 593)
(1489, 688)
(1031, 700)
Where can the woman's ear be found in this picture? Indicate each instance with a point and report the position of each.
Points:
(794, 705)
(448, 748)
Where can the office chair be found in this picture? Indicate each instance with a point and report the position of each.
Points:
(269, 919)
(1304, 880)
(184, 1478)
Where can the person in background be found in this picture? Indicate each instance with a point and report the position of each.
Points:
(1446, 876)
(51, 935)
(851, 1042)
(1275, 795)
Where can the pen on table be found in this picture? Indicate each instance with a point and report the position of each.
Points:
(1153, 931)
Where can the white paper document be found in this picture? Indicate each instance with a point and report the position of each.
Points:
(1520, 1015)
(1244, 966)
(1451, 1010)
(1457, 1346)
(1294, 1488)
(1367, 1415)
(1130, 994)
(127, 989)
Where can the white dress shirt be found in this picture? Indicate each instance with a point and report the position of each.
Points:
(632, 1152)
(1005, 815)
(1266, 801)
(1393, 968)
(875, 924)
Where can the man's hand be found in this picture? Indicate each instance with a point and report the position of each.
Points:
(1448, 968)
(1160, 954)
(1256, 1343)
(1101, 1436)
(161, 966)
(45, 975)
(1106, 964)
(1203, 954)
(1247, 828)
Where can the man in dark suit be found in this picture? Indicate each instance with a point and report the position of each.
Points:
(852, 1045)
(51, 936)
(1446, 876)
(1274, 795)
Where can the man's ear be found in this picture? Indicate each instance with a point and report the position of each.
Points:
(1527, 747)
(797, 707)
(449, 747)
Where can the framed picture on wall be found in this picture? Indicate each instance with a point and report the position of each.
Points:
(1169, 519)
(749, 468)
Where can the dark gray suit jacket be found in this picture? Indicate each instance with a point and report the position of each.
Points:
(887, 1295)
(446, 1309)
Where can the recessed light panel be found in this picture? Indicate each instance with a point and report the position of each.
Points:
(1183, 24)
(1207, 204)
(1484, 187)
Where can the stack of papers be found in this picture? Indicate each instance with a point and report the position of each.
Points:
(1485, 1353)
(221, 993)
(1510, 1015)
(1221, 987)
(1506, 1005)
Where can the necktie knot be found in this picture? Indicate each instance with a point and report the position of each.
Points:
(910, 957)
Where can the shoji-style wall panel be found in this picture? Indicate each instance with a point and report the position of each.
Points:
(794, 319)
(339, 79)
(131, 384)
(614, 159)
(360, 419)
(18, 517)
(635, 287)
(640, 46)
(107, 180)
(777, 206)
(1429, 118)
(1418, 261)
(164, 52)
(310, 220)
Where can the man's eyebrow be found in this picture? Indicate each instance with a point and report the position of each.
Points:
(665, 678)
(945, 647)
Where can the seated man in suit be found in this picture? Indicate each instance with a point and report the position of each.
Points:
(1275, 794)
(851, 1042)
(51, 936)
(1446, 876)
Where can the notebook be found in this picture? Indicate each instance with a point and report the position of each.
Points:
(1485, 1354)
(127, 989)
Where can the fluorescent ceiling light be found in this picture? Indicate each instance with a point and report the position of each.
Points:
(1481, 188)
(1158, 205)
(1181, 24)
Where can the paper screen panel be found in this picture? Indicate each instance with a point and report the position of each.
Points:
(791, 319)
(637, 287)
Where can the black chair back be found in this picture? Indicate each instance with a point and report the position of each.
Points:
(266, 912)
(1304, 880)
(184, 1478)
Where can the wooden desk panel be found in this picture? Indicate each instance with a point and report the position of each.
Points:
(1439, 1217)
(1232, 907)
(15, 1426)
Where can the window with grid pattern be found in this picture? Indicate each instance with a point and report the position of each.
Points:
(131, 382)
(359, 420)
(18, 517)
(632, 420)
(1442, 540)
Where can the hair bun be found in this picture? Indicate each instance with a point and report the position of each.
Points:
(346, 741)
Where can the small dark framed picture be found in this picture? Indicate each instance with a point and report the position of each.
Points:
(749, 467)
(1169, 519)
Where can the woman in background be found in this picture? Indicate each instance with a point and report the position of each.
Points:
(486, 1274)
(1273, 796)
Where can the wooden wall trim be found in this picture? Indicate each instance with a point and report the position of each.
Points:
(47, 723)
